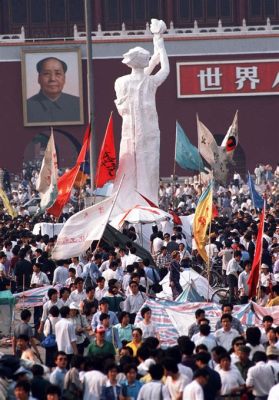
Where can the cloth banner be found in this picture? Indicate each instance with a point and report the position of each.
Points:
(46, 183)
(230, 141)
(47, 228)
(257, 199)
(10, 210)
(82, 228)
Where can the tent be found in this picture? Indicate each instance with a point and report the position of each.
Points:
(111, 235)
(191, 278)
(7, 302)
(172, 319)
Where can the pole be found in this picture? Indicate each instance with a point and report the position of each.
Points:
(90, 89)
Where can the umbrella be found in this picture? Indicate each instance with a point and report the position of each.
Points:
(142, 215)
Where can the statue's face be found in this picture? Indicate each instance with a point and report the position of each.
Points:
(138, 62)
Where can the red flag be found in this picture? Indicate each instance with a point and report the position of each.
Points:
(66, 181)
(253, 279)
(175, 217)
(106, 167)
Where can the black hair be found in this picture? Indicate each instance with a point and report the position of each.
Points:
(54, 311)
(170, 364)
(40, 64)
(156, 371)
(268, 318)
(259, 356)
(25, 314)
(226, 316)
(204, 329)
(64, 311)
(201, 372)
(121, 315)
(23, 385)
(199, 312)
(144, 310)
(53, 389)
(227, 305)
(253, 335)
(51, 292)
(127, 368)
(63, 290)
(37, 370)
(204, 357)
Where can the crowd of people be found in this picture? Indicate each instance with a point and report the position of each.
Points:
(93, 337)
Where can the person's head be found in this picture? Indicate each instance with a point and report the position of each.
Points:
(104, 306)
(225, 361)
(170, 366)
(175, 255)
(130, 370)
(227, 308)
(25, 315)
(134, 286)
(247, 265)
(243, 353)
(100, 333)
(37, 370)
(22, 342)
(72, 273)
(79, 284)
(52, 294)
(267, 321)
(271, 335)
(259, 356)
(146, 313)
(111, 370)
(65, 311)
(237, 255)
(275, 290)
(204, 329)
(137, 335)
(264, 269)
(186, 345)
(53, 392)
(104, 320)
(216, 352)
(61, 359)
(74, 309)
(237, 342)
(51, 76)
(54, 311)
(64, 293)
(37, 268)
(226, 322)
(199, 314)
(253, 335)
(202, 359)
(124, 318)
(101, 282)
(90, 292)
(156, 372)
(201, 376)
(22, 390)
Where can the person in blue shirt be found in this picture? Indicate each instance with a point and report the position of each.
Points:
(131, 387)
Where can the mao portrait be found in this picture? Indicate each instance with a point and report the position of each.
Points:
(52, 88)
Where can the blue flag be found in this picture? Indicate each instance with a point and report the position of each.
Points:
(256, 198)
(187, 156)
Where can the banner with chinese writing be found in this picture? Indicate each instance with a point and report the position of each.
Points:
(228, 78)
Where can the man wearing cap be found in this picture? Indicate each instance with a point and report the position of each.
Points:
(100, 347)
(266, 278)
(272, 353)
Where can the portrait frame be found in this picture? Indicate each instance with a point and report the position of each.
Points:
(71, 95)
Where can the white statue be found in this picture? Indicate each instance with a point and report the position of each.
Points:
(140, 140)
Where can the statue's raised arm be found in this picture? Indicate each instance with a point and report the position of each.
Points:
(159, 56)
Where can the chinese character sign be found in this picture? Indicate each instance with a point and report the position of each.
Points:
(228, 78)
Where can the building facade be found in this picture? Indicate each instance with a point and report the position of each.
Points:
(224, 56)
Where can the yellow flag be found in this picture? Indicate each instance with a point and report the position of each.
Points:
(10, 210)
(202, 218)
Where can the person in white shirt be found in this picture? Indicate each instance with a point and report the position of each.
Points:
(232, 381)
(260, 377)
(194, 390)
(226, 334)
(132, 257)
(53, 301)
(77, 265)
(266, 278)
(146, 325)
(38, 278)
(134, 301)
(65, 334)
(93, 381)
(79, 294)
(154, 390)
(175, 381)
(101, 290)
(274, 393)
(233, 268)
(105, 265)
(61, 273)
(205, 337)
(110, 272)
(242, 282)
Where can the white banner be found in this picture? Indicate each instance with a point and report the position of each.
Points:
(82, 228)
(47, 180)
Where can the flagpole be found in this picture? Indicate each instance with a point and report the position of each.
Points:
(209, 234)
(90, 89)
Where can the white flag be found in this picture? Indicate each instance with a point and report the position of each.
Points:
(230, 141)
(47, 180)
(215, 155)
(82, 228)
(207, 143)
